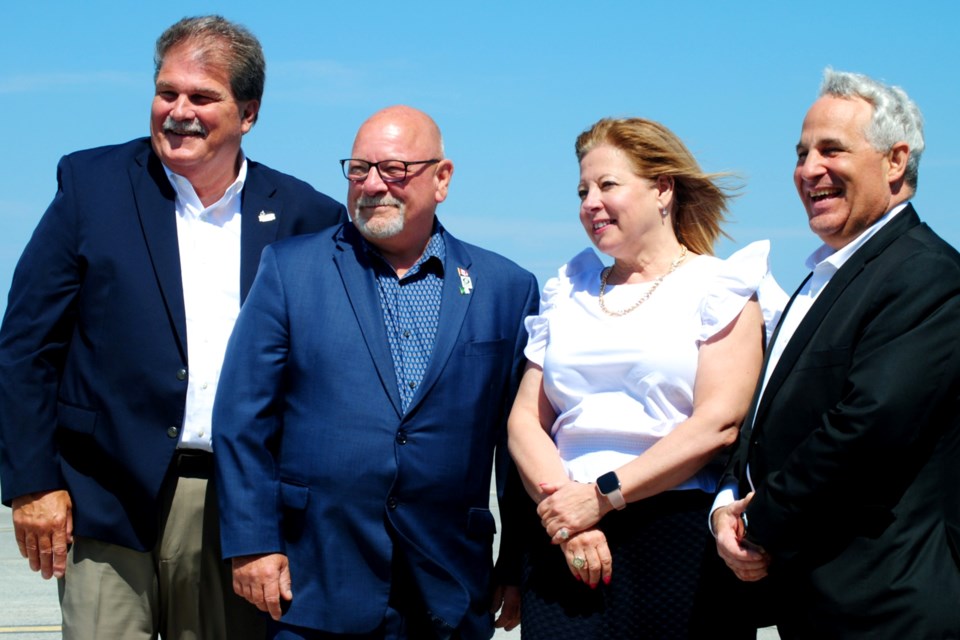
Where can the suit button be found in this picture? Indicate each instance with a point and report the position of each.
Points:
(173, 432)
(401, 437)
(392, 503)
(181, 374)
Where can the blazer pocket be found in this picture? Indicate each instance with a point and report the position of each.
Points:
(76, 419)
(480, 523)
(485, 348)
(293, 517)
(294, 496)
(824, 358)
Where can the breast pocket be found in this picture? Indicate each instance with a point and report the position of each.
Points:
(824, 359)
(485, 348)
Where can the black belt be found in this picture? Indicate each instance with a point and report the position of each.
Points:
(193, 463)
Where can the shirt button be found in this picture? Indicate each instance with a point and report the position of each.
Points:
(392, 503)
(181, 374)
(173, 432)
(401, 437)
(406, 334)
(412, 385)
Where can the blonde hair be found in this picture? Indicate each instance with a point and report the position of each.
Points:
(700, 199)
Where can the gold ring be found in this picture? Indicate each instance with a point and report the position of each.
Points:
(578, 562)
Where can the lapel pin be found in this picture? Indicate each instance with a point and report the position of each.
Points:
(267, 216)
(466, 284)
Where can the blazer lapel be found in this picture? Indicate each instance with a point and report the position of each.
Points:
(453, 311)
(360, 285)
(900, 224)
(155, 203)
(260, 213)
(747, 425)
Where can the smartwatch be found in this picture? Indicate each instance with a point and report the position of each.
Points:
(609, 485)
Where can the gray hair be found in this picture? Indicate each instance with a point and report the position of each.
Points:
(224, 42)
(896, 118)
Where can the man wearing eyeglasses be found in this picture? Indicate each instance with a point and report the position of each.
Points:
(363, 407)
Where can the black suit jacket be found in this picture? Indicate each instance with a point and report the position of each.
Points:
(93, 348)
(855, 448)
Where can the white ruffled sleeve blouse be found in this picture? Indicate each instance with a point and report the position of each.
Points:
(619, 384)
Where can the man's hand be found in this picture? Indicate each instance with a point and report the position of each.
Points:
(43, 526)
(263, 580)
(747, 561)
(506, 600)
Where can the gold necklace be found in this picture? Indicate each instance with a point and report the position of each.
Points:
(649, 292)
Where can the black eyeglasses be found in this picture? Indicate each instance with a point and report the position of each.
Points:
(356, 170)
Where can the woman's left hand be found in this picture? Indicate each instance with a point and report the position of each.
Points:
(570, 508)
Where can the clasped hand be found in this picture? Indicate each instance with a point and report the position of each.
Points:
(569, 513)
(571, 507)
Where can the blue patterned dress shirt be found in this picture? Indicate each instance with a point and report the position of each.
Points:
(411, 312)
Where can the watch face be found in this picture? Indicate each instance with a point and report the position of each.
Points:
(608, 482)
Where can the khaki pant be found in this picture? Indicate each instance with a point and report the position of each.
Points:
(180, 590)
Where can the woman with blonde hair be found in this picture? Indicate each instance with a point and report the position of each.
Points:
(638, 377)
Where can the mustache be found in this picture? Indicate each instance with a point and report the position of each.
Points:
(378, 201)
(184, 127)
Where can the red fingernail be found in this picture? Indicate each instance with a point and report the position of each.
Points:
(593, 585)
(606, 579)
(577, 576)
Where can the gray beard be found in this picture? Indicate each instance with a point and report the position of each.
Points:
(378, 227)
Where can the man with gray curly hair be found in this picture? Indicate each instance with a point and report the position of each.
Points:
(843, 496)
(113, 340)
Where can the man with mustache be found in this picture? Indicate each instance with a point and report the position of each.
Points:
(111, 348)
(363, 401)
(848, 466)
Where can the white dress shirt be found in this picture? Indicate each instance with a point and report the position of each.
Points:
(209, 241)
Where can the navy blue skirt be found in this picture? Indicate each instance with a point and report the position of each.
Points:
(668, 581)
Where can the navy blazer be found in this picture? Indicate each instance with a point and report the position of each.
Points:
(855, 448)
(93, 348)
(316, 459)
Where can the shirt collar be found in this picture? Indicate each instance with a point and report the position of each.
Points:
(188, 196)
(434, 254)
(826, 257)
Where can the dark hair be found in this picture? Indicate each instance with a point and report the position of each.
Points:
(220, 41)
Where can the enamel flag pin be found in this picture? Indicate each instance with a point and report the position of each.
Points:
(466, 284)
(267, 216)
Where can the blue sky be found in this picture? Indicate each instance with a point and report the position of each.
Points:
(511, 85)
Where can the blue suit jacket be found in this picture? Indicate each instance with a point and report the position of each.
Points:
(93, 349)
(315, 458)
